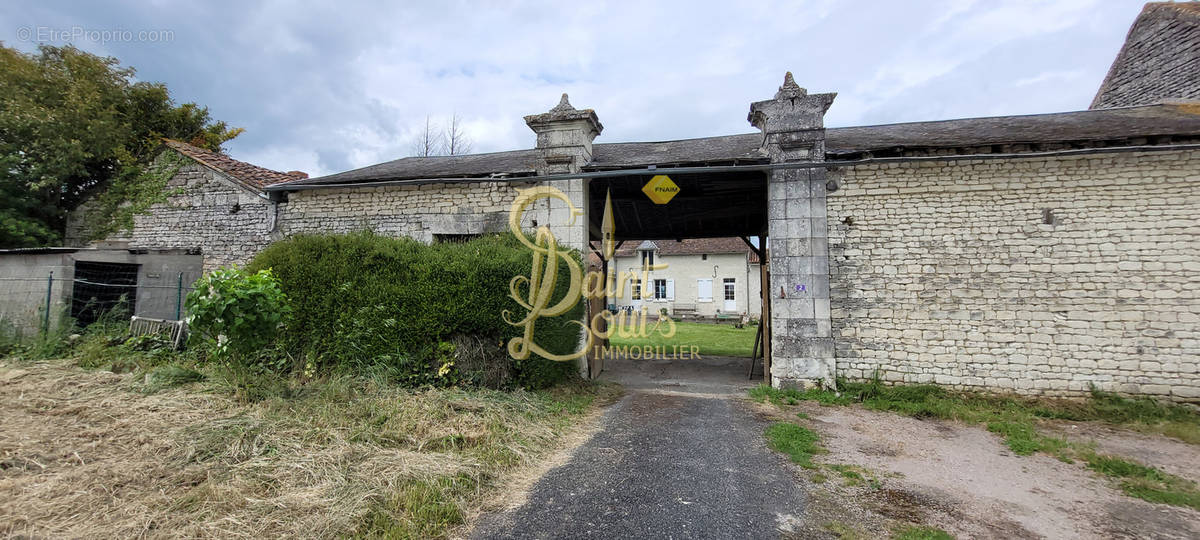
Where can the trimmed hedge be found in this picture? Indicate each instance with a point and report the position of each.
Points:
(364, 302)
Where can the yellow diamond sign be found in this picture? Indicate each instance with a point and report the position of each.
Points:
(660, 189)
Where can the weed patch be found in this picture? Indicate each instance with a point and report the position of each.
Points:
(1024, 440)
(421, 509)
(799, 443)
(915, 532)
(844, 531)
(169, 376)
(853, 475)
(1147, 483)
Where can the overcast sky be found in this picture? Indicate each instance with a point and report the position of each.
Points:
(327, 87)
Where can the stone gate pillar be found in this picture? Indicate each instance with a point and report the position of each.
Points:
(793, 129)
(564, 140)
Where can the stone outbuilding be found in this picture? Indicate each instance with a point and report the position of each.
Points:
(1040, 254)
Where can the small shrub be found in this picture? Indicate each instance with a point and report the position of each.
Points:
(237, 313)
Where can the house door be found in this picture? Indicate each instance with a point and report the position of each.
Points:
(730, 296)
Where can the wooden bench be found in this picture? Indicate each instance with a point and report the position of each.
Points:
(684, 310)
(173, 331)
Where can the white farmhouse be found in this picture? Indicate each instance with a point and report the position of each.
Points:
(704, 277)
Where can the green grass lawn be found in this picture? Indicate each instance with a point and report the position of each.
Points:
(712, 339)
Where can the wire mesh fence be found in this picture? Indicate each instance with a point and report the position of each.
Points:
(81, 294)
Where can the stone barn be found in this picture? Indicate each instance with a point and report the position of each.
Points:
(1040, 254)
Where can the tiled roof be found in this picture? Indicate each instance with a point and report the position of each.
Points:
(689, 246)
(1083, 127)
(251, 175)
(1158, 60)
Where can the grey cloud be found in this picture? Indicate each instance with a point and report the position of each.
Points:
(331, 87)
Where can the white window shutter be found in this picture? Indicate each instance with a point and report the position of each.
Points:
(670, 289)
(704, 290)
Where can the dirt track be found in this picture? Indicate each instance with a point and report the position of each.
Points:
(964, 480)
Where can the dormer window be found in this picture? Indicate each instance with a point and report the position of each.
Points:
(647, 258)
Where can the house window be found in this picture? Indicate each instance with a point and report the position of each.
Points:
(637, 289)
(729, 288)
(647, 258)
(660, 289)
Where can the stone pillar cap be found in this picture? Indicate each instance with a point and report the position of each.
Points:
(564, 112)
(793, 108)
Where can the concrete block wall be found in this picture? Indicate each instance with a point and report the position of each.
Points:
(1038, 276)
(23, 288)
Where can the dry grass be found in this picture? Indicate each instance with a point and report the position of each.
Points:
(83, 454)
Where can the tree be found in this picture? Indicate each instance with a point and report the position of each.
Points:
(456, 141)
(428, 142)
(434, 141)
(72, 124)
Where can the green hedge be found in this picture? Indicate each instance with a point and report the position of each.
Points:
(364, 302)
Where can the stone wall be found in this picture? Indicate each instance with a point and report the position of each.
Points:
(418, 211)
(1041, 275)
(423, 211)
(205, 211)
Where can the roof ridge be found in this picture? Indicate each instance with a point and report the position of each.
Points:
(257, 178)
(755, 134)
(1029, 115)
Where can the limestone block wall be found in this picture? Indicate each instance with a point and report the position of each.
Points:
(1039, 276)
(226, 222)
(423, 211)
(229, 224)
(418, 211)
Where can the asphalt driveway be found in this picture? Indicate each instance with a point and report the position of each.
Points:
(665, 464)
